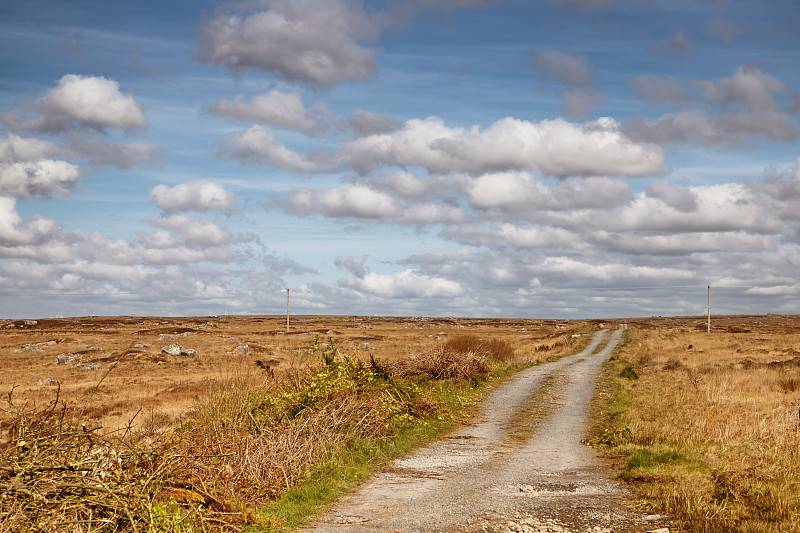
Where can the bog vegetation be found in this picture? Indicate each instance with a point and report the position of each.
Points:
(261, 452)
(707, 427)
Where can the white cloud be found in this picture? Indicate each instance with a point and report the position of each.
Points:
(406, 284)
(195, 231)
(38, 239)
(353, 264)
(674, 195)
(515, 191)
(202, 195)
(554, 147)
(319, 42)
(737, 109)
(78, 102)
(277, 108)
(258, 145)
(368, 123)
(347, 201)
(14, 149)
(748, 85)
(37, 179)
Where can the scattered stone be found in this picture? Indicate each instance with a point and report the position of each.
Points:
(45, 382)
(242, 349)
(169, 337)
(177, 349)
(38, 346)
(362, 346)
(68, 359)
(89, 367)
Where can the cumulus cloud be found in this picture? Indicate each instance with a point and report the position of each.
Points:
(26, 170)
(554, 147)
(366, 204)
(15, 149)
(367, 123)
(43, 178)
(81, 102)
(745, 105)
(318, 42)
(195, 231)
(347, 201)
(277, 108)
(353, 264)
(406, 284)
(564, 68)
(258, 145)
(37, 239)
(202, 195)
(728, 127)
(674, 195)
(520, 191)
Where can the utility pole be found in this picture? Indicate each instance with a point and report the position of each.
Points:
(709, 310)
(287, 310)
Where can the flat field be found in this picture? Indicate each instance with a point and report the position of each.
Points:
(114, 370)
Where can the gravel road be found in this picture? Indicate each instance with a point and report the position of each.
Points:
(519, 467)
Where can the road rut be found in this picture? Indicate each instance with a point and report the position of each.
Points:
(519, 466)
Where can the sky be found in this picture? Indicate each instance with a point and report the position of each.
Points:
(472, 158)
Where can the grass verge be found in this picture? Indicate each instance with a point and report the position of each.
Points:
(704, 430)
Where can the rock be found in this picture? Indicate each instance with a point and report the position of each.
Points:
(89, 367)
(242, 349)
(172, 349)
(168, 338)
(45, 382)
(38, 346)
(30, 322)
(177, 349)
(68, 359)
(659, 530)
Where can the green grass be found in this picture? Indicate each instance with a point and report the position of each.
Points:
(344, 470)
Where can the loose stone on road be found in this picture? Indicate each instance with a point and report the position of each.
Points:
(519, 467)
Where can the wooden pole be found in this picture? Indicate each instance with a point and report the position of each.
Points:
(709, 310)
(287, 310)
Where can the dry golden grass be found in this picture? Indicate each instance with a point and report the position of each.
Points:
(712, 424)
(135, 381)
(101, 449)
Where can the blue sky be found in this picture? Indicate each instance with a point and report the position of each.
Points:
(553, 158)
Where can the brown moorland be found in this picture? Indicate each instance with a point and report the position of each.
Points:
(114, 369)
(706, 428)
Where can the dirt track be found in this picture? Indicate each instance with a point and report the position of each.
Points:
(520, 467)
